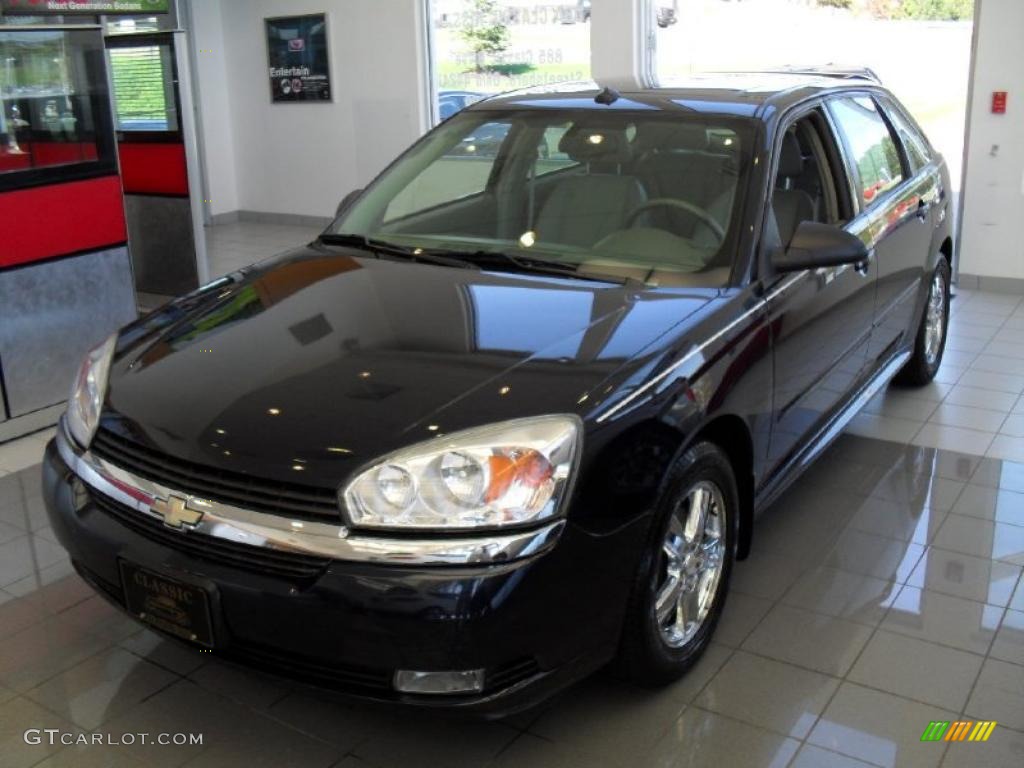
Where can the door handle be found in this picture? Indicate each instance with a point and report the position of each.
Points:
(923, 208)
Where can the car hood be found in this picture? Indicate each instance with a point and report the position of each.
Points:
(319, 362)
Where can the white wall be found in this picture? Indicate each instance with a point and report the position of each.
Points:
(217, 130)
(303, 158)
(994, 185)
(616, 42)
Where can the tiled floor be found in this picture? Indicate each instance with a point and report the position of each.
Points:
(977, 402)
(884, 592)
(232, 246)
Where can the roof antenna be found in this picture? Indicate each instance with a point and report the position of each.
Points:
(607, 96)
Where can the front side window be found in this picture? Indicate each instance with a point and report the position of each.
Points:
(804, 188)
(872, 148)
(650, 196)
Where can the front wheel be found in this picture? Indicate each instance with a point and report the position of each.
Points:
(931, 335)
(683, 577)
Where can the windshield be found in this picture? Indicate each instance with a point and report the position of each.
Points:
(647, 196)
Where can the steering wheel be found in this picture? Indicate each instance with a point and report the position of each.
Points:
(670, 202)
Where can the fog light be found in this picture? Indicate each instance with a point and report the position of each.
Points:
(450, 681)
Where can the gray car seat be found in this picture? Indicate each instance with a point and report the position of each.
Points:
(791, 206)
(583, 209)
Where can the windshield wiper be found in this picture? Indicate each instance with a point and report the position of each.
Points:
(384, 248)
(473, 259)
(542, 266)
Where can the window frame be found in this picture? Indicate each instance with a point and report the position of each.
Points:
(141, 40)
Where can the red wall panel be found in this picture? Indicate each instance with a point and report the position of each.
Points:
(149, 168)
(43, 222)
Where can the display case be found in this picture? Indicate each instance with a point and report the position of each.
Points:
(54, 107)
(65, 273)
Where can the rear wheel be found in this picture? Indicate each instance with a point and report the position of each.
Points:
(680, 588)
(931, 335)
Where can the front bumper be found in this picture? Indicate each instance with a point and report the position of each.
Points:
(535, 624)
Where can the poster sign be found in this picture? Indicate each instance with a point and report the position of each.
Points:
(89, 7)
(297, 55)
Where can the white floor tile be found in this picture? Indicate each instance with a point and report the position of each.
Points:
(1006, 447)
(954, 438)
(968, 417)
(879, 728)
(981, 398)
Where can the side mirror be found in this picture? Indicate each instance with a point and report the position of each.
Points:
(816, 245)
(347, 200)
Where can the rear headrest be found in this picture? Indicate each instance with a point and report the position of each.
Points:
(667, 136)
(791, 159)
(594, 144)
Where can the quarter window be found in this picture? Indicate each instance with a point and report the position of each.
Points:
(871, 146)
(917, 149)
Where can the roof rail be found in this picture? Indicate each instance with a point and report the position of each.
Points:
(831, 70)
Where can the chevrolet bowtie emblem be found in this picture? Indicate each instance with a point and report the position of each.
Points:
(175, 512)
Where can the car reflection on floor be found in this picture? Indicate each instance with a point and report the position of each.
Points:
(880, 596)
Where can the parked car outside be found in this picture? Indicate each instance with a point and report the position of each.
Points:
(450, 102)
(512, 417)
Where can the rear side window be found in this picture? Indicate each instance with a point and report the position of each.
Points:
(871, 145)
(918, 153)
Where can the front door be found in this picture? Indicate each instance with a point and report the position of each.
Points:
(821, 319)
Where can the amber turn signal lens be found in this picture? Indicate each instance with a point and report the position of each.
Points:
(528, 468)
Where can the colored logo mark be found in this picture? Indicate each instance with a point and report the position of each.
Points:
(959, 730)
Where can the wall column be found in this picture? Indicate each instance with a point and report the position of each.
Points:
(993, 192)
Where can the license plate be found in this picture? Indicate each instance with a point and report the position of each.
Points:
(168, 604)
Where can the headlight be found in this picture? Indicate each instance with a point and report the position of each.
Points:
(88, 391)
(508, 474)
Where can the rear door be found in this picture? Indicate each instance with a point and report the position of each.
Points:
(895, 198)
(821, 319)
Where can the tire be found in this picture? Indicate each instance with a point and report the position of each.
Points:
(928, 349)
(655, 651)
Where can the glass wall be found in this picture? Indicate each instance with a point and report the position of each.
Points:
(921, 51)
(48, 99)
(481, 47)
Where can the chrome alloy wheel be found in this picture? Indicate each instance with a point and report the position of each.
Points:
(935, 319)
(692, 559)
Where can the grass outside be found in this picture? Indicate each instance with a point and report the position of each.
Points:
(455, 76)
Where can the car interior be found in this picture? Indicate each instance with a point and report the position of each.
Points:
(651, 200)
(804, 188)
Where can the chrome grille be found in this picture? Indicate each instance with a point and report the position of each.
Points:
(233, 488)
(262, 560)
